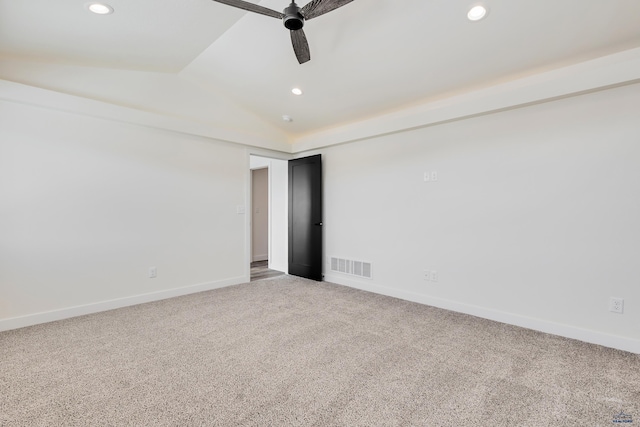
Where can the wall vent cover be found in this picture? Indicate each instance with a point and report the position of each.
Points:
(355, 268)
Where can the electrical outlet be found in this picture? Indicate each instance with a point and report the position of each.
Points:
(153, 272)
(430, 176)
(616, 305)
(430, 275)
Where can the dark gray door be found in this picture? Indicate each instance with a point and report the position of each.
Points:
(305, 217)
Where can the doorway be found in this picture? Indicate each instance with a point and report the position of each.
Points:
(268, 217)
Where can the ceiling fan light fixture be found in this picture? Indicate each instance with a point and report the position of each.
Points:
(296, 91)
(100, 8)
(293, 20)
(477, 13)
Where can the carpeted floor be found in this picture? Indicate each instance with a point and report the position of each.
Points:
(291, 352)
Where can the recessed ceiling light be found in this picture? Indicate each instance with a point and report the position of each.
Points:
(287, 118)
(477, 12)
(296, 91)
(100, 8)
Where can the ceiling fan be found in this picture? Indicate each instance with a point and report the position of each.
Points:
(293, 18)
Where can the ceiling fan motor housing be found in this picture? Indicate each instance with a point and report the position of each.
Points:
(293, 19)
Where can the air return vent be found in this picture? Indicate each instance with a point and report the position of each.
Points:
(355, 268)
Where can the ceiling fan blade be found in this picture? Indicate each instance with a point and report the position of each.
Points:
(300, 46)
(251, 7)
(316, 8)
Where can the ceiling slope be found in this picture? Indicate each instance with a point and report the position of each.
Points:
(210, 63)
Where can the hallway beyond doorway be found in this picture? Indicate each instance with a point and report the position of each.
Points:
(260, 270)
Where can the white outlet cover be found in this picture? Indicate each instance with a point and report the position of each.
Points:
(616, 305)
(430, 176)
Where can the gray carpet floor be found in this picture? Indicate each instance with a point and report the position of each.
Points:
(291, 352)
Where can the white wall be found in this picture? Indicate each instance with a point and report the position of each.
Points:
(88, 205)
(259, 214)
(279, 214)
(534, 219)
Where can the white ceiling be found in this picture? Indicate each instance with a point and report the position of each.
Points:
(211, 63)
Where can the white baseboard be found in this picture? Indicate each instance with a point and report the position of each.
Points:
(567, 331)
(65, 313)
(260, 258)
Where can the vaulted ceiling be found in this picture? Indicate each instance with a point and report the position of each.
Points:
(213, 64)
